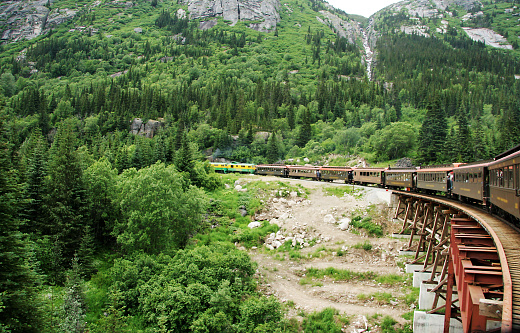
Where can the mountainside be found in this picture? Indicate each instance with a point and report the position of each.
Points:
(324, 82)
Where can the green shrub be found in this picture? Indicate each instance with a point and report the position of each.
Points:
(326, 321)
(365, 246)
(366, 223)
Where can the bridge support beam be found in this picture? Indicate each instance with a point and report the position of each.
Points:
(466, 274)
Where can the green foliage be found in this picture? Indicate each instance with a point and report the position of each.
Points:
(19, 311)
(349, 275)
(161, 211)
(366, 245)
(366, 223)
(340, 191)
(198, 289)
(322, 322)
(254, 237)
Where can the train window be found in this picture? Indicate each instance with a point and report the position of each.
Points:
(508, 177)
(517, 176)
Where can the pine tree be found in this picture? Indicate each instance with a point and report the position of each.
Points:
(67, 199)
(304, 133)
(18, 311)
(74, 301)
(272, 149)
(36, 189)
(432, 134)
(465, 153)
(185, 161)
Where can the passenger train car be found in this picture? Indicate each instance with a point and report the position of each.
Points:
(471, 182)
(494, 184)
(504, 182)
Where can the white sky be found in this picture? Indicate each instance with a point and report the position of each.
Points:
(361, 7)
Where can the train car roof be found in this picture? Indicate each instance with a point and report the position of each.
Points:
(402, 170)
(370, 169)
(272, 165)
(507, 153)
(477, 164)
(336, 168)
(302, 167)
(505, 158)
(439, 168)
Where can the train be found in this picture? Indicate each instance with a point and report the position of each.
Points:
(493, 184)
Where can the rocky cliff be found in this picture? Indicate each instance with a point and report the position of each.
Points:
(263, 14)
(349, 30)
(29, 19)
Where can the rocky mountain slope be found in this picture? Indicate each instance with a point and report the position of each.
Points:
(29, 19)
(437, 17)
(263, 12)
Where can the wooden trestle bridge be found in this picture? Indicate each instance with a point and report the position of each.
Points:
(473, 257)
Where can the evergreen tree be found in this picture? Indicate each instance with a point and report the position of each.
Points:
(74, 304)
(432, 134)
(272, 149)
(305, 132)
(184, 160)
(465, 153)
(480, 144)
(36, 189)
(18, 310)
(66, 199)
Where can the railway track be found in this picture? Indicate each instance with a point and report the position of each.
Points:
(505, 242)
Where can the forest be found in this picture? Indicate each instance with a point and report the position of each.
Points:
(105, 230)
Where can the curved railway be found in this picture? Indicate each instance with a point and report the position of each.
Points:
(482, 251)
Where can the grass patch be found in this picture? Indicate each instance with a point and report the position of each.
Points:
(340, 191)
(339, 274)
(254, 237)
(348, 275)
(379, 297)
(366, 223)
(392, 279)
(366, 245)
(328, 320)
(412, 297)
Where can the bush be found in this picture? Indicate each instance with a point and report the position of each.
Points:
(325, 321)
(370, 227)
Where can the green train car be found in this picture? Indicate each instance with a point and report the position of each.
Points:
(233, 167)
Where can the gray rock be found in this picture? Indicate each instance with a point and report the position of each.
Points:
(206, 25)
(277, 244)
(264, 12)
(242, 211)
(148, 130)
(238, 188)
(344, 223)
(329, 219)
(30, 19)
(253, 225)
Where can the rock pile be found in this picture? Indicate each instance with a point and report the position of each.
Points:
(299, 236)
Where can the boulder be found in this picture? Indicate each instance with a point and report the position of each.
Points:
(242, 211)
(253, 225)
(329, 219)
(344, 223)
(238, 188)
(277, 244)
